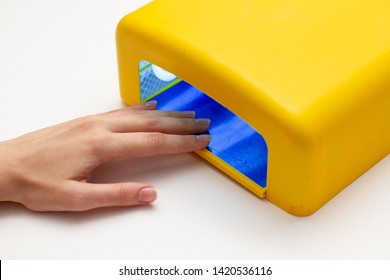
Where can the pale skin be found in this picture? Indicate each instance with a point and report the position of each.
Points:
(49, 169)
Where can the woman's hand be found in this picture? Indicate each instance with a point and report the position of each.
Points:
(48, 170)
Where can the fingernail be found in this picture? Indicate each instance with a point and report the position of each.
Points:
(147, 195)
(203, 122)
(151, 104)
(205, 138)
(188, 114)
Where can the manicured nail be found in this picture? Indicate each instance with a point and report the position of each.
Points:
(147, 195)
(203, 122)
(187, 114)
(151, 104)
(205, 138)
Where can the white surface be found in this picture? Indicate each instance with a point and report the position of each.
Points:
(58, 62)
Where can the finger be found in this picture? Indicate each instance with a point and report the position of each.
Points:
(169, 125)
(152, 143)
(129, 111)
(81, 196)
(149, 105)
(145, 106)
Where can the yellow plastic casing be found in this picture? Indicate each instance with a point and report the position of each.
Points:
(312, 77)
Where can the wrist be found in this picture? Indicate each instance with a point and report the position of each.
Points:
(7, 180)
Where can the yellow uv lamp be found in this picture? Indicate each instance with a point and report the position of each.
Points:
(298, 92)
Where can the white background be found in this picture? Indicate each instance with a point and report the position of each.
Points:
(58, 62)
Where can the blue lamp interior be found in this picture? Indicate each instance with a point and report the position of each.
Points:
(232, 139)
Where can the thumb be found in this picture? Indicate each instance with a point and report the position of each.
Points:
(88, 196)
